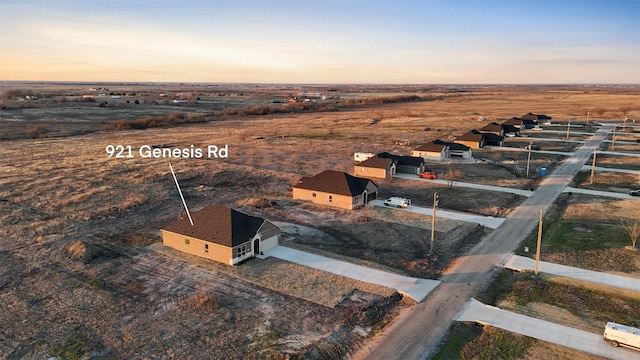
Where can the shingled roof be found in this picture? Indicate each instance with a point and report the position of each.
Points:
(472, 135)
(452, 145)
(218, 225)
(535, 117)
(376, 162)
(335, 182)
(432, 146)
(403, 159)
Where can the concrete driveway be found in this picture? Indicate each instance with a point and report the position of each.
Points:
(416, 288)
(520, 192)
(521, 263)
(487, 221)
(543, 330)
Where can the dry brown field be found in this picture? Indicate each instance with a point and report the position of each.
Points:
(81, 271)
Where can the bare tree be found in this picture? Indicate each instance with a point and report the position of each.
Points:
(632, 227)
(451, 174)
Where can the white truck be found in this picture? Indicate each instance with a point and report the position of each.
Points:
(397, 202)
(622, 335)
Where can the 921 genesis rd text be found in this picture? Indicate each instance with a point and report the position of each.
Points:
(154, 152)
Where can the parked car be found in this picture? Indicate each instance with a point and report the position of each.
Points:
(428, 175)
(397, 202)
(622, 335)
(532, 147)
(634, 192)
(537, 128)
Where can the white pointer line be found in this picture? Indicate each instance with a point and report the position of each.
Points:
(180, 191)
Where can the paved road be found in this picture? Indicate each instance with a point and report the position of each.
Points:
(416, 288)
(543, 330)
(488, 221)
(415, 334)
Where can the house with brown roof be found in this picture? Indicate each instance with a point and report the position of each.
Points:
(433, 150)
(376, 167)
(406, 164)
(514, 121)
(477, 139)
(221, 234)
(538, 118)
(473, 139)
(458, 150)
(337, 189)
(493, 128)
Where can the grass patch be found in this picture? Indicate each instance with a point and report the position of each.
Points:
(460, 334)
(566, 235)
(71, 349)
(582, 302)
(496, 343)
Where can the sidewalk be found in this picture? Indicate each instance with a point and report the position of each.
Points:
(543, 330)
(416, 288)
(521, 263)
(488, 221)
(599, 193)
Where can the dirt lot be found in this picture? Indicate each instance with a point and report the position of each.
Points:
(77, 275)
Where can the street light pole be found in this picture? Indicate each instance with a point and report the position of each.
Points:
(433, 222)
(539, 240)
(588, 118)
(529, 157)
(593, 166)
(568, 127)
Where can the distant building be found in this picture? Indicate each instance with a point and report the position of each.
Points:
(538, 118)
(443, 150)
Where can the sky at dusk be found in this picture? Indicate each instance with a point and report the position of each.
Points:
(306, 41)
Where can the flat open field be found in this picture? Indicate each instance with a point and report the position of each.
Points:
(80, 269)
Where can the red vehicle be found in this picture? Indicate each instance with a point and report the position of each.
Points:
(428, 175)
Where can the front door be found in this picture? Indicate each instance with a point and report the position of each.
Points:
(256, 247)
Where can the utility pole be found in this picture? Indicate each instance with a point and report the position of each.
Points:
(568, 127)
(587, 118)
(433, 223)
(593, 166)
(529, 157)
(613, 138)
(539, 240)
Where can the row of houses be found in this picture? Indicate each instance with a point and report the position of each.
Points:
(229, 236)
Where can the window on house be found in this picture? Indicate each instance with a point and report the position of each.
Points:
(187, 242)
(313, 194)
(330, 198)
(206, 248)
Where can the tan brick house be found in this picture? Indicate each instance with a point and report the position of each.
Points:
(221, 234)
(376, 167)
(337, 189)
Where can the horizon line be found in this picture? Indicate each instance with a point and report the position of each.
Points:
(318, 84)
